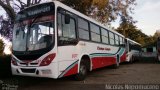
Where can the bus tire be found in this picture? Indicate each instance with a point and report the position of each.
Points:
(132, 60)
(158, 59)
(82, 72)
(115, 66)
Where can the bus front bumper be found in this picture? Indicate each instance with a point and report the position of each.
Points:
(41, 71)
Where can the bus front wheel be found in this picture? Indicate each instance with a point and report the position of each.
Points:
(82, 72)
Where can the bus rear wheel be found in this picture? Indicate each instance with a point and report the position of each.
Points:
(115, 66)
(82, 72)
(158, 59)
(132, 59)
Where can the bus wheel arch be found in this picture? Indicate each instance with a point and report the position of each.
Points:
(132, 58)
(84, 67)
(86, 59)
(116, 65)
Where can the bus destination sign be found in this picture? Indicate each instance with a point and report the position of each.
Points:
(34, 11)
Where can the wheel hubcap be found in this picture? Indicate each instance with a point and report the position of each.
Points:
(83, 70)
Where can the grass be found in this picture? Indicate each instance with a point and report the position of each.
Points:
(5, 66)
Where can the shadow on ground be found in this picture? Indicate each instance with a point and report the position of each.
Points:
(5, 67)
(104, 75)
(148, 60)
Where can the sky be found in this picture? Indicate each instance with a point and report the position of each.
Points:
(148, 16)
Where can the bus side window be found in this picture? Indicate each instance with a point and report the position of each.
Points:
(130, 46)
(116, 39)
(121, 41)
(59, 24)
(66, 31)
(95, 33)
(104, 36)
(83, 29)
(69, 30)
(111, 37)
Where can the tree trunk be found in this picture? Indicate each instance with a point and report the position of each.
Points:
(9, 10)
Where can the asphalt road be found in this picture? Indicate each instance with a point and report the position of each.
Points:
(141, 72)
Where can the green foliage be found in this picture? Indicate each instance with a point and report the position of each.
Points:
(11, 7)
(103, 11)
(156, 35)
(129, 30)
(1, 47)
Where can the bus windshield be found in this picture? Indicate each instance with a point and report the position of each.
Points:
(34, 30)
(33, 36)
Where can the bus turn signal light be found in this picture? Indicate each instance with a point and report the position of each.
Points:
(47, 60)
(13, 61)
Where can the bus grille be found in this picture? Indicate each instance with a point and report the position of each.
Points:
(28, 70)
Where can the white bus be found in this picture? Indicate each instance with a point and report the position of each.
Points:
(149, 52)
(133, 50)
(53, 40)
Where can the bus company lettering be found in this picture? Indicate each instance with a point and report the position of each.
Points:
(39, 10)
(34, 11)
(102, 48)
(74, 55)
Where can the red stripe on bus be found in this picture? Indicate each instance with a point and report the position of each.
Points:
(98, 62)
(123, 57)
(72, 71)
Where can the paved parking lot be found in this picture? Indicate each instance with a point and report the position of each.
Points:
(141, 72)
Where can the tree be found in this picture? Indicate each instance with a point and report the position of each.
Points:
(1, 47)
(12, 7)
(104, 11)
(129, 30)
(156, 35)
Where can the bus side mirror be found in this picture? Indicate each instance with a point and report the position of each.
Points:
(67, 19)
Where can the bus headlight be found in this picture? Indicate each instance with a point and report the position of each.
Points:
(14, 62)
(47, 60)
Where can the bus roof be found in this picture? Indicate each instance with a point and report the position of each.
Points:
(59, 4)
(133, 41)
